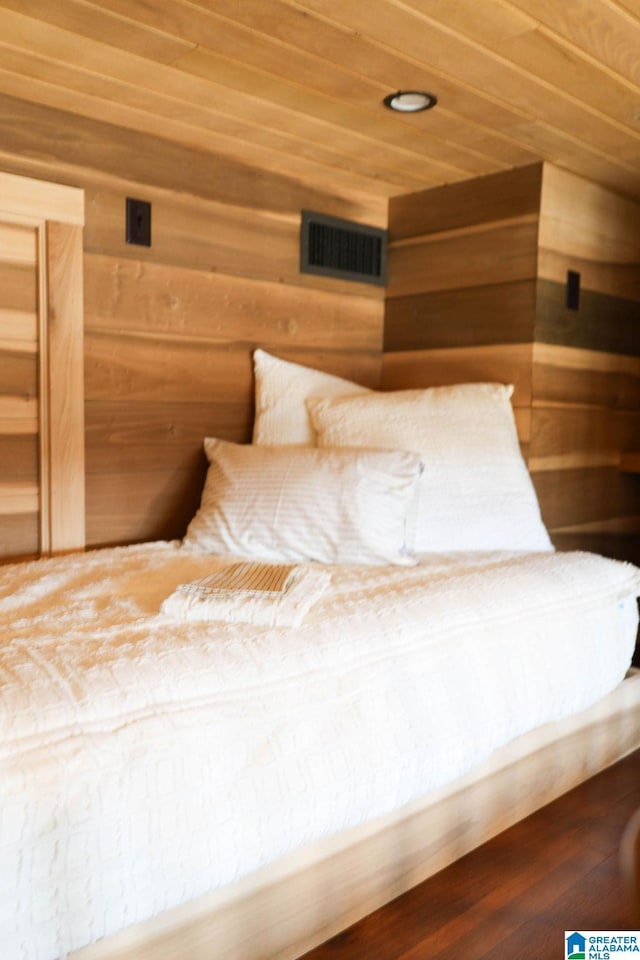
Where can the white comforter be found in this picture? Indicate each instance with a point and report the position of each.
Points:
(144, 762)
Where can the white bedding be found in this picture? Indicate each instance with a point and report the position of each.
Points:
(144, 762)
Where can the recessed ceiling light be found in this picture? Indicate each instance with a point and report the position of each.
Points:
(410, 101)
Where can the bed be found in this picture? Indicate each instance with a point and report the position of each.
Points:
(236, 744)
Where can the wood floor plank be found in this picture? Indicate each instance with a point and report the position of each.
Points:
(517, 894)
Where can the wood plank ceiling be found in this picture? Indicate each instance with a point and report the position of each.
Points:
(296, 86)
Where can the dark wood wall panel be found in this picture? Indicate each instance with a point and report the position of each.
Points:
(469, 316)
(170, 329)
(590, 501)
(620, 546)
(584, 327)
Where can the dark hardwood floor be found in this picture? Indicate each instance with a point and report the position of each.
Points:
(513, 898)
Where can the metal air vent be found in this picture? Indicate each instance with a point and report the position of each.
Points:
(343, 249)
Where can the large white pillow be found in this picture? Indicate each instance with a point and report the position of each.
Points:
(476, 492)
(281, 389)
(289, 503)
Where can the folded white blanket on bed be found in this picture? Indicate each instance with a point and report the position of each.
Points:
(266, 594)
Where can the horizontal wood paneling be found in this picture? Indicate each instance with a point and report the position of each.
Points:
(169, 330)
(200, 304)
(17, 244)
(580, 436)
(168, 362)
(18, 453)
(615, 279)
(468, 316)
(142, 505)
(170, 369)
(501, 363)
(584, 328)
(19, 369)
(619, 546)
(18, 324)
(246, 242)
(577, 499)
(502, 252)
(461, 293)
(587, 365)
(481, 200)
(577, 373)
(18, 287)
(584, 219)
(564, 374)
(19, 461)
(142, 436)
(461, 296)
(19, 530)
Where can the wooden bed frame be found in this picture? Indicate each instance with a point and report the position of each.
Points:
(285, 909)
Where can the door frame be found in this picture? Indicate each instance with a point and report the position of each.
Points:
(56, 211)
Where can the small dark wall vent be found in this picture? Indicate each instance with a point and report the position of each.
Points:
(343, 249)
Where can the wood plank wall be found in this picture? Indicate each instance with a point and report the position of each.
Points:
(586, 366)
(477, 286)
(169, 329)
(19, 469)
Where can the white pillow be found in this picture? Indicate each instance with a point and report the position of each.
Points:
(476, 492)
(281, 389)
(300, 503)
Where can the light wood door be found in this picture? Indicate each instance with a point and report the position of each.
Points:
(41, 368)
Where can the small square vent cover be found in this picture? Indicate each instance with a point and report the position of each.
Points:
(343, 249)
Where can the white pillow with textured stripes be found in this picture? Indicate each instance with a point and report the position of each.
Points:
(476, 492)
(281, 389)
(289, 503)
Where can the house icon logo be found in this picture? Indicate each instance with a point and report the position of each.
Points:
(576, 947)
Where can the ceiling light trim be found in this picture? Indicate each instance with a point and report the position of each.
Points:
(410, 101)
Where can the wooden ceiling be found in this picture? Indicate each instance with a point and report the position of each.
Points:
(296, 86)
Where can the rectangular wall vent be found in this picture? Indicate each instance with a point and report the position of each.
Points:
(343, 249)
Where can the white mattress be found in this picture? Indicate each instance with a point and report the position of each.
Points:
(144, 762)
